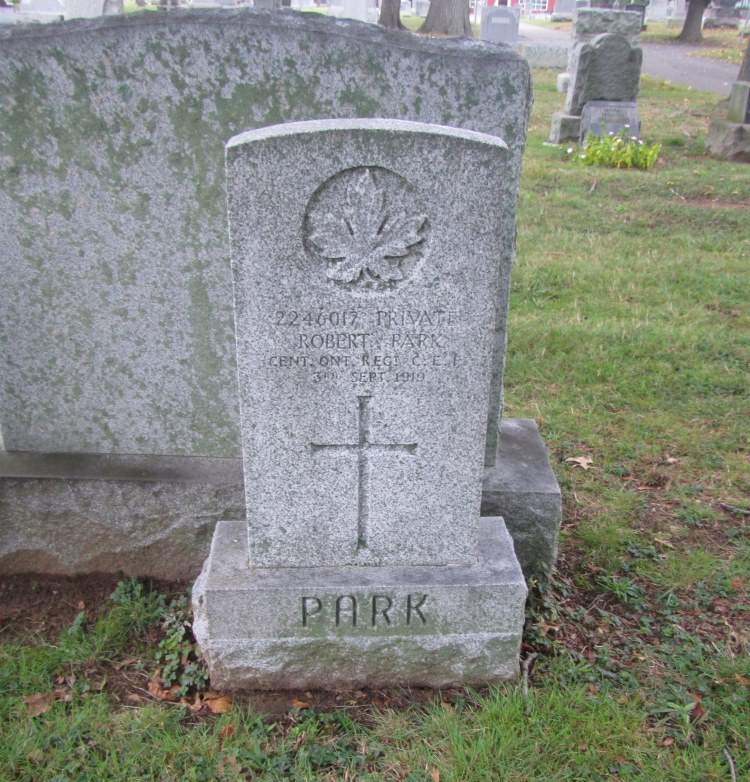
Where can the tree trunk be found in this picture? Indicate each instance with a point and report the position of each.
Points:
(691, 30)
(390, 14)
(744, 74)
(447, 17)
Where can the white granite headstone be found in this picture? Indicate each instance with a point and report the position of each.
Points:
(366, 309)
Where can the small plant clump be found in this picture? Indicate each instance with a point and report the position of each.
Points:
(616, 151)
(182, 670)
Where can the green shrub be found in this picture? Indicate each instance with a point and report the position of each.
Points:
(616, 151)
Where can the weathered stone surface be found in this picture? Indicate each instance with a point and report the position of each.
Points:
(601, 117)
(607, 69)
(564, 127)
(523, 490)
(70, 526)
(588, 23)
(277, 628)
(112, 195)
(71, 514)
(591, 22)
(366, 317)
(500, 24)
(729, 140)
(544, 55)
(739, 103)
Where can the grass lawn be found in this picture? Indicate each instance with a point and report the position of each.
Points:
(629, 343)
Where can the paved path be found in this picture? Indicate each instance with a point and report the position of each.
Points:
(661, 60)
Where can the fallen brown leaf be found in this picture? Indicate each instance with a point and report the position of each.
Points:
(226, 731)
(217, 703)
(156, 690)
(698, 712)
(434, 775)
(299, 704)
(38, 704)
(581, 461)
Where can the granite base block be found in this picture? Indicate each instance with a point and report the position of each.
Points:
(522, 489)
(155, 515)
(330, 628)
(564, 127)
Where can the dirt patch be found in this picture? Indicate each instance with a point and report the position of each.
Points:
(708, 203)
(49, 604)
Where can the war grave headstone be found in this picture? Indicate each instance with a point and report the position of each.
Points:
(500, 24)
(729, 137)
(7, 14)
(118, 382)
(607, 70)
(366, 307)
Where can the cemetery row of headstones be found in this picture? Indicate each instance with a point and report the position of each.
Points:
(603, 76)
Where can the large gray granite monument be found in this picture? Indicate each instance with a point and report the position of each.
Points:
(118, 381)
(366, 306)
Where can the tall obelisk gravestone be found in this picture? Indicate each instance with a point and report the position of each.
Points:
(367, 271)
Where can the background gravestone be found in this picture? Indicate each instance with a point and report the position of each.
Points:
(588, 23)
(365, 333)
(607, 69)
(564, 10)
(600, 117)
(40, 11)
(729, 137)
(500, 24)
(82, 9)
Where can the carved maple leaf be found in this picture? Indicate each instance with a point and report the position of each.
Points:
(366, 236)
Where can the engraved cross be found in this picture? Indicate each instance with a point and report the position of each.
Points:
(363, 446)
